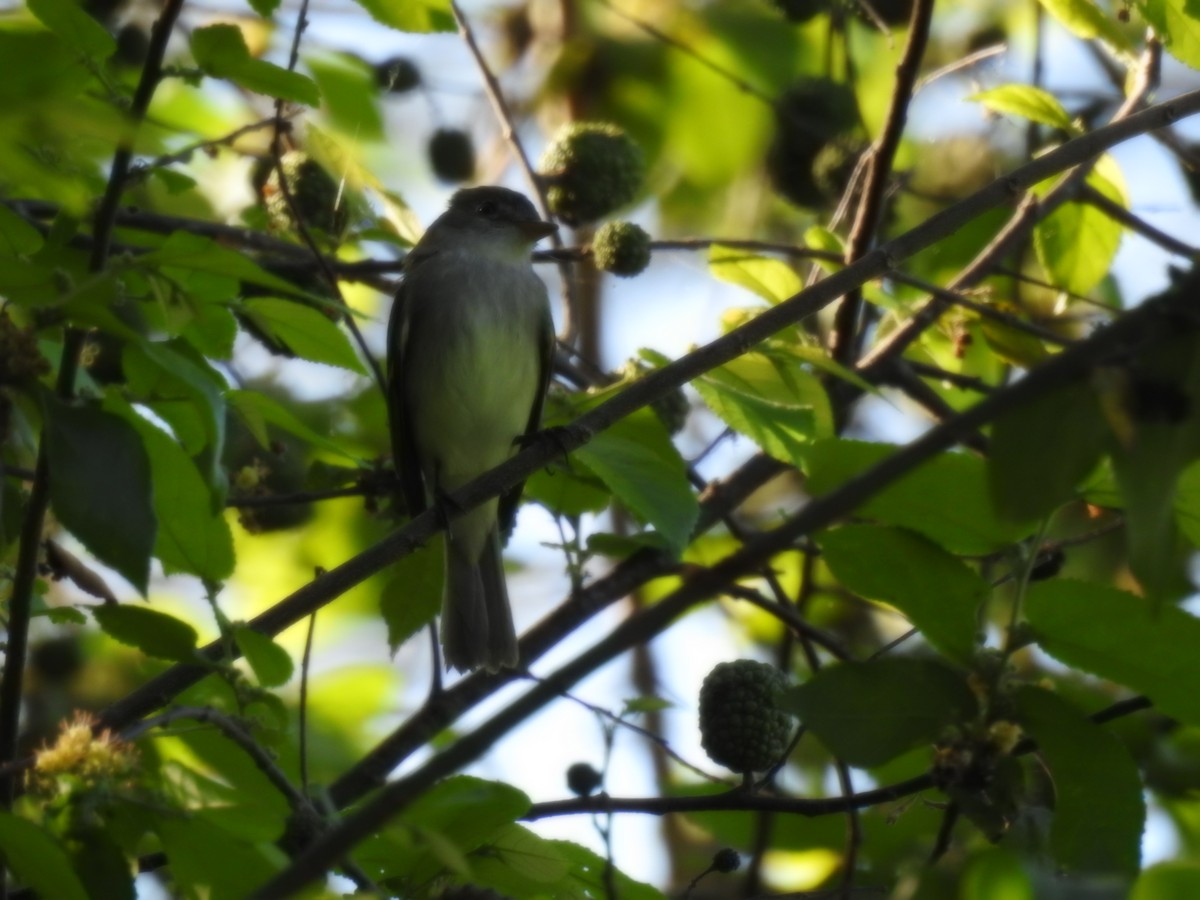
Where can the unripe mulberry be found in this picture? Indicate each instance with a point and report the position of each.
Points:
(315, 195)
(741, 724)
(591, 169)
(583, 779)
(621, 248)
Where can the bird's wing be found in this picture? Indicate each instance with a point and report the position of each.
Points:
(404, 448)
(512, 498)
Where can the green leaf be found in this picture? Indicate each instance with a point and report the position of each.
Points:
(1042, 451)
(1151, 456)
(946, 499)
(411, 15)
(1028, 102)
(637, 461)
(209, 862)
(1151, 648)
(74, 27)
(183, 250)
(648, 704)
(349, 94)
(100, 486)
(271, 664)
(307, 332)
(1168, 881)
(17, 237)
(1086, 20)
(780, 407)
(258, 410)
(101, 864)
(1077, 242)
(221, 51)
(519, 863)
(265, 8)
(592, 876)
(193, 536)
(937, 592)
(869, 713)
(454, 818)
(771, 279)
(182, 388)
(1099, 812)
(38, 860)
(154, 633)
(1177, 25)
(413, 595)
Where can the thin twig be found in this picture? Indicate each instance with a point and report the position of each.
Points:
(508, 131)
(1118, 213)
(845, 337)
(25, 576)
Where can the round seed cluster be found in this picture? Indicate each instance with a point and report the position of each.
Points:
(741, 724)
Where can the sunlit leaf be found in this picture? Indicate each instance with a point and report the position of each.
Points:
(154, 633)
(221, 51)
(307, 332)
(1028, 102)
(937, 592)
(772, 279)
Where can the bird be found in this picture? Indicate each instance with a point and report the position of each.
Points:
(470, 347)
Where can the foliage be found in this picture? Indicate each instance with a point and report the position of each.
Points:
(982, 629)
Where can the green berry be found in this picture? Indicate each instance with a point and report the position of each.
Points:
(397, 75)
(808, 115)
(726, 861)
(741, 725)
(834, 166)
(315, 194)
(582, 779)
(452, 155)
(621, 248)
(591, 169)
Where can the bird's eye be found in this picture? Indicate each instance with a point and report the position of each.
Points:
(487, 208)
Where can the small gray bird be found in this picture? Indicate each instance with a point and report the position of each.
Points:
(470, 343)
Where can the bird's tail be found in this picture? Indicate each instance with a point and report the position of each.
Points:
(477, 625)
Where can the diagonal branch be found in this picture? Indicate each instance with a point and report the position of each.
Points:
(658, 383)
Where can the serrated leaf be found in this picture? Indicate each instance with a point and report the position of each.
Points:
(37, 860)
(258, 410)
(193, 252)
(1177, 26)
(637, 461)
(17, 237)
(1149, 460)
(769, 278)
(307, 332)
(1077, 242)
(413, 595)
(154, 633)
(271, 664)
(937, 592)
(1099, 812)
(1028, 102)
(193, 535)
(74, 27)
(869, 713)
(1153, 649)
(221, 51)
(349, 94)
(1041, 452)
(946, 499)
(100, 486)
(1086, 20)
(411, 15)
(781, 408)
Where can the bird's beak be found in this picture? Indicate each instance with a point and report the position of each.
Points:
(537, 229)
